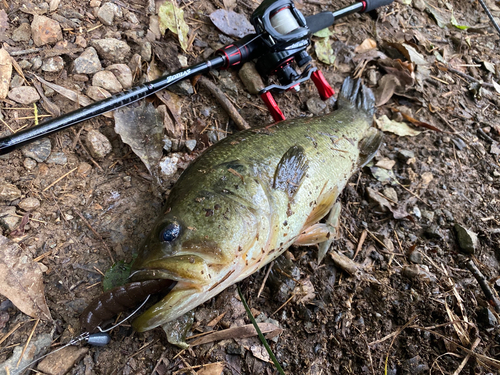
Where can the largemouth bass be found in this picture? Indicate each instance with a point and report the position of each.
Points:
(248, 198)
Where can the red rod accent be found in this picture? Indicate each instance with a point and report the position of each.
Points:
(324, 88)
(272, 106)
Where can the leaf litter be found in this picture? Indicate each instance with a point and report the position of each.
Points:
(172, 18)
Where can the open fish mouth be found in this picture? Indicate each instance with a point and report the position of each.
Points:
(114, 301)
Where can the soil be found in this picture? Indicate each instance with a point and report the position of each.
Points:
(389, 318)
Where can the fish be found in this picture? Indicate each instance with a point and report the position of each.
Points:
(248, 198)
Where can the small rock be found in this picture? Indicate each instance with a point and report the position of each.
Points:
(432, 232)
(32, 351)
(29, 204)
(448, 215)
(167, 144)
(97, 93)
(428, 215)
(107, 13)
(57, 158)
(420, 5)
(251, 78)
(60, 362)
(228, 85)
(80, 41)
(315, 105)
(25, 64)
(486, 318)
(99, 146)
(418, 272)
(88, 62)
(36, 62)
(38, 150)
(182, 88)
(416, 257)
(111, 49)
(417, 365)
(467, 240)
(190, 145)
(22, 33)
(45, 30)
(24, 95)
(146, 51)
(80, 78)
(459, 143)
(16, 81)
(107, 81)
(53, 64)
(168, 166)
(8, 217)
(9, 192)
(417, 213)
(154, 27)
(95, 3)
(122, 73)
(29, 163)
(405, 155)
(84, 169)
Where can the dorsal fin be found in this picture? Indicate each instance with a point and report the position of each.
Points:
(354, 94)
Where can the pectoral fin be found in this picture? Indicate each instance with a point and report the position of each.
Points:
(369, 145)
(321, 232)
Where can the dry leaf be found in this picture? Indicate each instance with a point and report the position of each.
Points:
(232, 23)
(46, 103)
(260, 352)
(386, 87)
(229, 4)
(304, 292)
(211, 369)
(5, 73)
(367, 45)
(398, 128)
(21, 280)
(70, 94)
(172, 18)
(141, 127)
(236, 332)
(385, 163)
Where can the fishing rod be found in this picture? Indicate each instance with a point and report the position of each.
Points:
(282, 37)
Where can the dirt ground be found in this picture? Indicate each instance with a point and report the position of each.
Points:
(415, 308)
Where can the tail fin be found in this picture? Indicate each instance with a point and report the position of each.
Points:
(354, 93)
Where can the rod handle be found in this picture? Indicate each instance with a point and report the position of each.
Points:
(374, 4)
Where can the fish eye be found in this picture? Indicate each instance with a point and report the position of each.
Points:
(170, 232)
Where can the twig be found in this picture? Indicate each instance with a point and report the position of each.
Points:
(225, 102)
(265, 278)
(11, 332)
(470, 78)
(97, 235)
(361, 241)
(490, 295)
(400, 329)
(27, 342)
(466, 359)
(60, 178)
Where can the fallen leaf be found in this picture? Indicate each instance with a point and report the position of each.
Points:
(141, 127)
(261, 353)
(427, 177)
(5, 73)
(395, 127)
(378, 198)
(366, 45)
(21, 280)
(211, 369)
(400, 69)
(324, 51)
(229, 4)
(453, 22)
(385, 163)
(351, 267)
(495, 149)
(304, 292)
(416, 122)
(386, 87)
(323, 33)
(496, 86)
(383, 175)
(409, 52)
(172, 18)
(4, 21)
(489, 66)
(236, 332)
(232, 23)
(70, 94)
(46, 102)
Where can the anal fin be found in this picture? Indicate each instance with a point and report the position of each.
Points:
(368, 146)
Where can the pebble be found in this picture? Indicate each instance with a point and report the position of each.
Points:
(53, 64)
(168, 166)
(415, 271)
(111, 49)
(59, 158)
(416, 257)
(420, 5)
(99, 146)
(97, 93)
(486, 318)
(467, 239)
(182, 88)
(29, 204)
(36, 62)
(45, 30)
(432, 232)
(88, 62)
(428, 215)
(34, 349)
(417, 365)
(22, 33)
(38, 150)
(417, 213)
(146, 51)
(315, 105)
(251, 78)
(8, 217)
(405, 155)
(459, 143)
(16, 81)
(107, 81)
(80, 41)
(122, 73)
(9, 192)
(190, 145)
(62, 361)
(228, 85)
(24, 95)
(107, 13)
(84, 169)
(25, 64)
(390, 193)
(29, 163)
